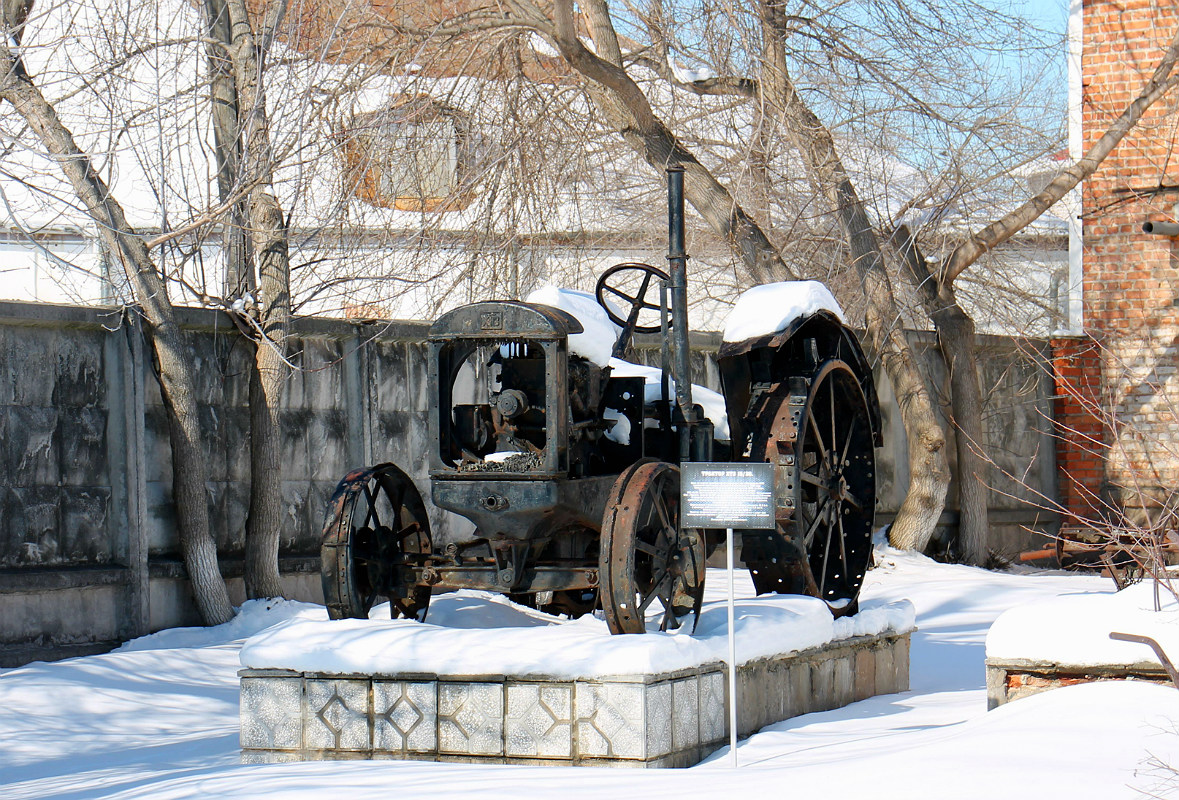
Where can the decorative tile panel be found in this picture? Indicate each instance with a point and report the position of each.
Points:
(539, 720)
(471, 718)
(658, 719)
(685, 713)
(270, 713)
(610, 720)
(405, 716)
(336, 714)
(713, 714)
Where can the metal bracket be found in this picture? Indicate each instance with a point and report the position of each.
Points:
(1153, 645)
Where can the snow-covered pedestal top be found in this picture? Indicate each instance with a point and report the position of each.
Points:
(1064, 640)
(477, 633)
(1074, 630)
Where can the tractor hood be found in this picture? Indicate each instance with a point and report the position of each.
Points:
(504, 319)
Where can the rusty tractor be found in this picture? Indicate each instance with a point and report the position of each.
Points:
(568, 469)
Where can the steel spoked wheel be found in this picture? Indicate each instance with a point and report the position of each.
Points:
(835, 487)
(375, 540)
(650, 569)
(818, 435)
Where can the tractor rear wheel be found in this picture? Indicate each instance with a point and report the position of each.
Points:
(819, 437)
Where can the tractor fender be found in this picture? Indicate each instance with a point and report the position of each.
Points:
(794, 353)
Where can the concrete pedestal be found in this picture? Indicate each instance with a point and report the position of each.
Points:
(666, 720)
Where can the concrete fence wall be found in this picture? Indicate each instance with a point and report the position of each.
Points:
(88, 549)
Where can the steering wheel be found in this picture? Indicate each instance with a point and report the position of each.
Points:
(637, 302)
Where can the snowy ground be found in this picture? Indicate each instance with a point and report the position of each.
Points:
(159, 720)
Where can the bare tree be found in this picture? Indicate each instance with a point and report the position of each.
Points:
(171, 349)
(935, 284)
(260, 261)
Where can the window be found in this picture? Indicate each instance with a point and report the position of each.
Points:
(415, 155)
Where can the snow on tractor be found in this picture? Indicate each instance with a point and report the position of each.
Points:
(565, 457)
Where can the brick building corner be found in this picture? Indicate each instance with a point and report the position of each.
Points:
(1118, 383)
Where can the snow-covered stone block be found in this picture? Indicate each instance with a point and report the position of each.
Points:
(1069, 639)
(471, 718)
(823, 685)
(886, 671)
(845, 680)
(865, 669)
(271, 712)
(538, 720)
(336, 714)
(405, 716)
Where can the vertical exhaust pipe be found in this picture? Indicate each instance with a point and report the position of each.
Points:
(678, 289)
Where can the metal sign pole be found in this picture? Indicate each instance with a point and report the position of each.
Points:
(732, 653)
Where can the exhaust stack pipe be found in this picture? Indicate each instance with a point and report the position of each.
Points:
(678, 291)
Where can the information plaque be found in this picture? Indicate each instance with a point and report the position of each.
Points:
(726, 495)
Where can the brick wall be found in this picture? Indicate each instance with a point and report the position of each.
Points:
(1131, 279)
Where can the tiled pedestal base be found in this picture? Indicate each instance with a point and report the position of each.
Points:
(667, 720)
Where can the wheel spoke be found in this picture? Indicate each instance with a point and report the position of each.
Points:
(847, 445)
(669, 622)
(412, 529)
(648, 548)
(813, 479)
(810, 531)
(850, 498)
(372, 596)
(818, 436)
(655, 585)
(834, 440)
(661, 510)
(843, 548)
(372, 515)
(621, 294)
(826, 552)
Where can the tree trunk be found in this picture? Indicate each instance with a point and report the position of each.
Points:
(929, 474)
(168, 341)
(239, 277)
(264, 525)
(268, 248)
(955, 332)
